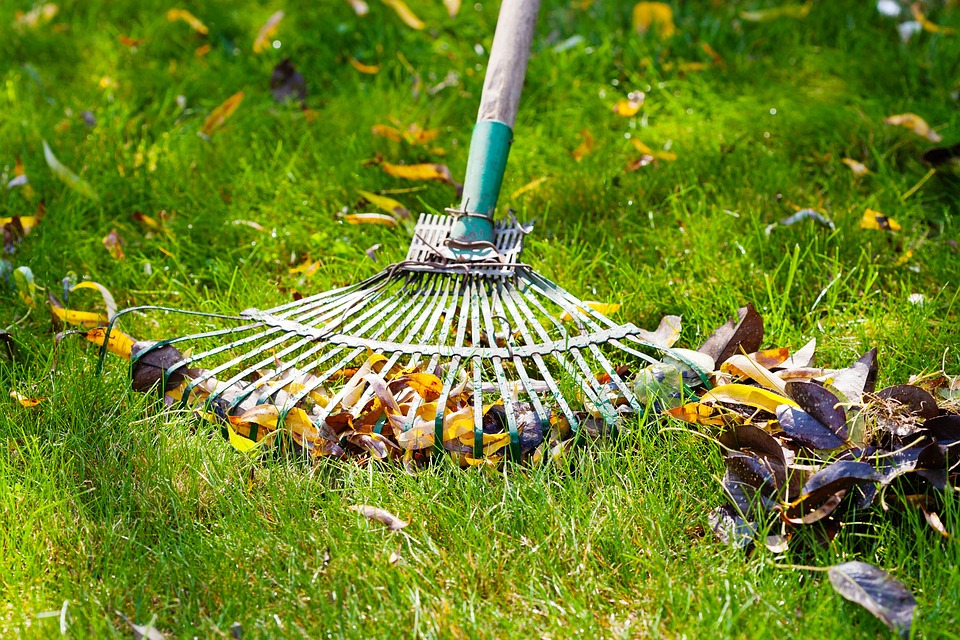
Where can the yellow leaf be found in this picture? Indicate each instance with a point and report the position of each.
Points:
(750, 396)
(389, 205)
(533, 185)
(386, 131)
(604, 308)
(669, 156)
(916, 124)
(716, 57)
(220, 115)
(119, 343)
(413, 135)
(24, 400)
(241, 444)
(114, 244)
(427, 385)
(741, 365)
(453, 7)
(27, 223)
(878, 222)
(629, 106)
(203, 50)
(371, 218)
(307, 268)
(359, 7)
(905, 258)
(267, 31)
(87, 319)
(182, 14)
(66, 176)
(656, 15)
(698, 413)
(917, 9)
(859, 169)
(585, 147)
(419, 171)
(364, 68)
(402, 10)
(783, 11)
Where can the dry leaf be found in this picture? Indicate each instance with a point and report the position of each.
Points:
(371, 218)
(118, 343)
(783, 11)
(655, 15)
(127, 41)
(66, 176)
(114, 244)
(389, 205)
(419, 172)
(220, 115)
(533, 185)
(203, 50)
(585, 147)
(24, 400)
(859, 169)
(370, 69)
(668, 156)
(917, 9)
(916, 124)
(629, 106)
(382, 516)
(267, 31)
(604, 308)
(402, 10)
(878, 221)
(182, 14)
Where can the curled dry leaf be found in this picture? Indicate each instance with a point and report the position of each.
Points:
(389, 205)
(371, 218)
(878, 221)
(858, 168)
(369, 69)
(182, 14)
(382, 516)
(267, 31)
(745, 334)
(25, 401)
(408, 16)
(914, 123)
(876, 591)
(221, 114)
(654, 16)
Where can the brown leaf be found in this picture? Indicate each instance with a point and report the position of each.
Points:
(182, 14)
(743, 334)
(221, 114)
(384, 517)
(267, 31)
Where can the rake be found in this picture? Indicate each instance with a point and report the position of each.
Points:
(462, 305)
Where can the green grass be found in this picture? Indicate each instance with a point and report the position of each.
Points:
(110, 506)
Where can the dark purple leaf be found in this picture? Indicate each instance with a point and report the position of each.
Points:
(286, 83)
(918, 401)
(945, 429)
(730, 527)
(806, 430)
(743, 334)
(149, 364)
(876, 591)
(820, 403)
(830, 480)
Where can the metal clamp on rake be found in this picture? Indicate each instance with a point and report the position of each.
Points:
(480, 327)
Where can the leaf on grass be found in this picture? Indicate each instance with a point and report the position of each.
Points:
(806, 430)
(182, 14)
(221, 114)
(413, 135)
(858, 168)
(917, 10)
(384, 517)
(118, 343)
(85, 319)
(800, 215)
(371, 218)
(402, 10)
(359, 7)
(629, 106)
(667, 333)
(267, 31)
(744, 366)
(915, 399)
(533, 185)
(26, 286)
(15, 228)
(129, 42)
(586, 145)
(150, 362)
(114, 244)
(656, 16)
(699, 413)
(419, 172)
(747, 395)
(775, 13)
(24, 400)
(242, 444)
(603, 308)
(389, 205)
(878, 221)
(743, 334)
(66, 176)
(286, 83)
(427, 385)
(669, 156)
(914, 123)
(369, 69)
(820, 403)
(876, 591)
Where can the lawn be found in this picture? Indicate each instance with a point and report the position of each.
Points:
(109, 507)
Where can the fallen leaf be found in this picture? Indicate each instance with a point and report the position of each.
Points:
(118, 343)
(657, 16)
(743, 334)
(24, 400)
(220, 115)
(25, 283)
(149, 364)
(413, 135)
(783, 11)
(876, 591)
(533, 185)
(917, 10)
(586, 145)
(878, 221)
(389, 205)
(800, 215)
(108, 301)
(114, 244)
(914, 123)
(402, 10)
(820, 403)
(710, 51)
(419, 172)
(604, 308)
(806, 430)
(858, 168)
(66, 176)
(629, 106)
(127, 41)
(384, 517)
(267, 31)
(182, 14)
(747, 395)
(242, 444)
(203, 50)
(666, 334)
(369, 69)
(371, 218)
(286, 83)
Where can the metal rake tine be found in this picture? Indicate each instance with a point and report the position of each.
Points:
(505, 391)
(477, 362)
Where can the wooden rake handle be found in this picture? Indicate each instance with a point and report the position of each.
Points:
(508, 61)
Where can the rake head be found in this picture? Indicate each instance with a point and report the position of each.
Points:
(430, 354)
